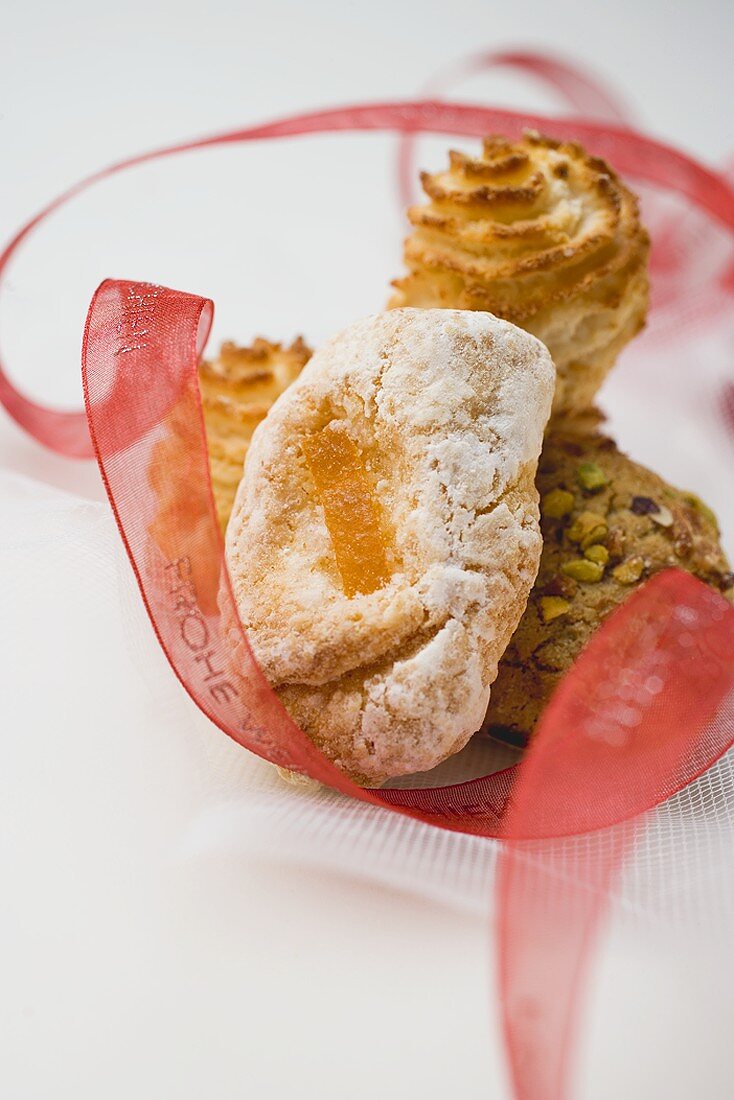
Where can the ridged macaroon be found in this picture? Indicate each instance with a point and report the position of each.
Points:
(544, 235)
(608, 524)
(385, 534)
(237, 390)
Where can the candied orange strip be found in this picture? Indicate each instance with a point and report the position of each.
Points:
(351, 512)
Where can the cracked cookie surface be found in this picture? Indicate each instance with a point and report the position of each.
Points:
(438, 416)
(608, 524)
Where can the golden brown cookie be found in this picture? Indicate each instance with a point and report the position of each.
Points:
(538, 232)
(237, 390)
(385, 534)
(608, 524)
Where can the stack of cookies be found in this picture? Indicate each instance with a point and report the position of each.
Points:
(431, 508)
(541, 233)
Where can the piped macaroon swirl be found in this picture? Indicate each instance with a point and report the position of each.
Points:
(237, 390)
(542, 234)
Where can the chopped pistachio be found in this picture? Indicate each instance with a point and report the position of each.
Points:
(591, 477)
(597, 553)
(587, 529)
(595, 536)
(663, 517)
(552, 607)
(589, 572)
(557, 503)
(629, 571)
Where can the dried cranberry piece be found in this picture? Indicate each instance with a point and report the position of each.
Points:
(644, 506)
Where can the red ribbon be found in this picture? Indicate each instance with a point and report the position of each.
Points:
(630, 152)
(141, 349)
(586, 97)
(639, 716)
(647, 708)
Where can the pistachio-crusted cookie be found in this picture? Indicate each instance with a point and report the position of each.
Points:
(544, 235)
(608, 524)
(237, 390)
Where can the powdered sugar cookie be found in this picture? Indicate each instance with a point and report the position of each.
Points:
(385, 535)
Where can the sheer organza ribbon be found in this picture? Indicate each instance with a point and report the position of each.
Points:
(644, 711)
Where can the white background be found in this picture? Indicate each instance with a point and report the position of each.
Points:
(136, 963)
